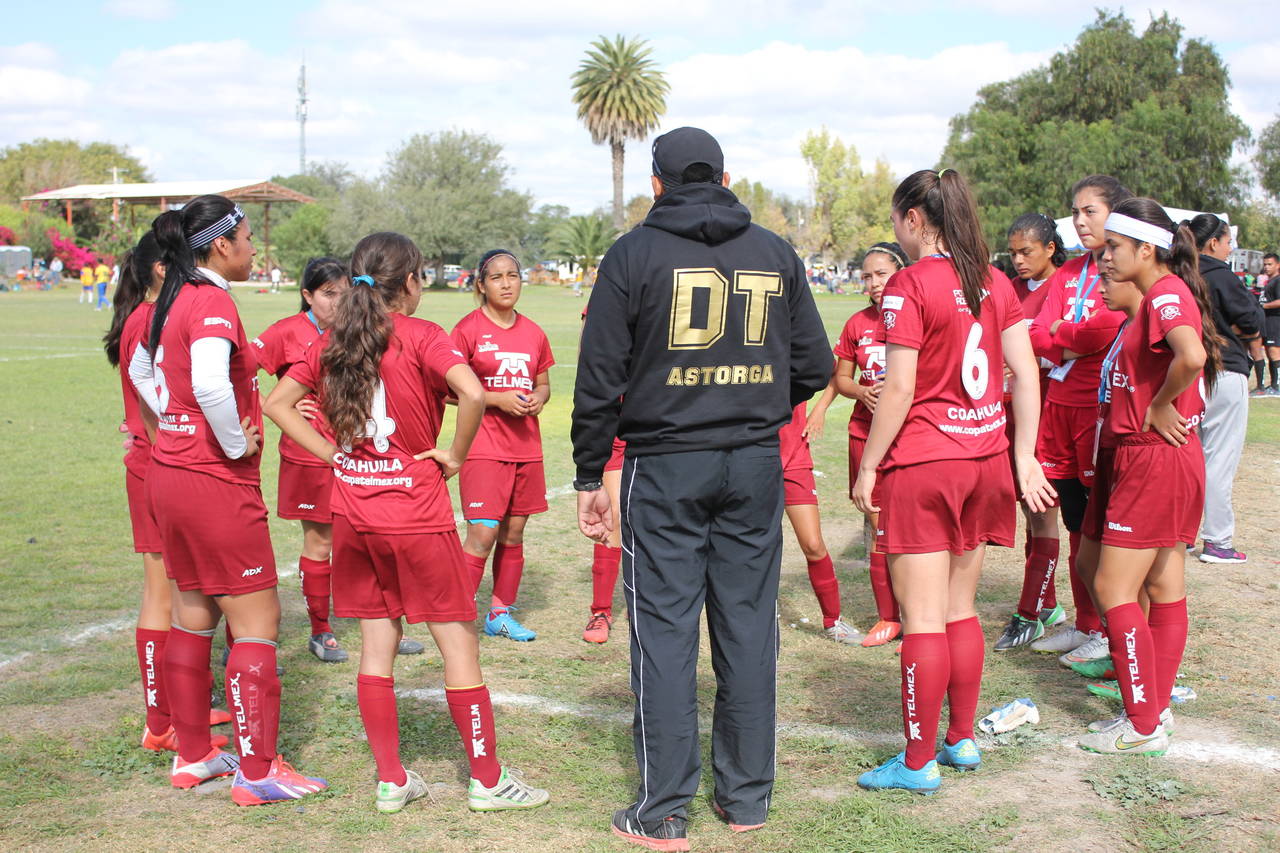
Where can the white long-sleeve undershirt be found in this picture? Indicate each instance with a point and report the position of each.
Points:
(143, 377)
(211, 385)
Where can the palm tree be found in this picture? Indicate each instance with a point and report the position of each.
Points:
(620, 95)
(583, 240)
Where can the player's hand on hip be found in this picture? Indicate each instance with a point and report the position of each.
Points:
(1166, 420)
(449, 464)
(595, 515)
(308, 408)
(252, 438)
(862, 489)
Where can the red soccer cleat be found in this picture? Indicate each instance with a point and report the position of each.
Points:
(169, 740)
(883, 632)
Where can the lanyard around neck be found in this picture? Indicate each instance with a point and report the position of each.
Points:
(1082, 295)
(1109, 363)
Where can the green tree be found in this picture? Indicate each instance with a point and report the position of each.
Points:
(638, 207)
(767, 208)
(47, 164)
(583, 240)
(448, 191)
(1150, 109)
(303, 236)
(1259, 223)
(539, 231)
(850, 205)
(31, 229)
(1267, 158)
(620, 94)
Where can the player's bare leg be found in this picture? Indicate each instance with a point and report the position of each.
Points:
(806, 523)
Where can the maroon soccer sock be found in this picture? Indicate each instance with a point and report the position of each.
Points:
(475, 565)
(376, 695)
(604, 576)
(1134, 656)
(508, 567)
(315, 590)
(882, 588)
(151, 646)
(253, 697)
(1087, 619)
(967, 650)
(187, 676)
(1169, 625)
(926, 669)
(1037, 578)
(822, 577)
(472, 713)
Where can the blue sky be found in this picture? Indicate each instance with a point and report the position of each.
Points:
(202, 90)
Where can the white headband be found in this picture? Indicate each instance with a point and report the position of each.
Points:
(1144, 232)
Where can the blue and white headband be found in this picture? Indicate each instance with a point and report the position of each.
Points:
(222, 227)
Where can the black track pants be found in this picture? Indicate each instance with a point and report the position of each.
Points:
(703, 526)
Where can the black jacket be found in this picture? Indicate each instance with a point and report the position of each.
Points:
(1233, 305)
(701, 333)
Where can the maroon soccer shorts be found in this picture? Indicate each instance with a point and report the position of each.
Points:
(304, 492)
(146, 536)
(494, 490)
(214, 533)
(1148, 493)
(950, 505)
(799, 487)
(420, 576)
(1065, 443)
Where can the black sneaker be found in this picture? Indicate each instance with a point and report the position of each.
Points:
(410, 647)
(666, 834)
(325, 646)
(1019, 632)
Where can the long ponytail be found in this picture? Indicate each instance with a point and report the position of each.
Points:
(361, 332)
(947, 204)
(1183, 260)
(173, 231)
(135, 281)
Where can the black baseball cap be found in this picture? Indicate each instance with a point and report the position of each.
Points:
(677, 150)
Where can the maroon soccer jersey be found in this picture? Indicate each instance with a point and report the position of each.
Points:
(1030, 300)
(378, 484)
(505, 360)
(137, 326)
(1142, 358)
(862, 343)
(793, 446)
(184, 439)
(1073, 291)
(957, 412)
(282, 345)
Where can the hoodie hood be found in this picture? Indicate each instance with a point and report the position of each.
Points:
(708, 213)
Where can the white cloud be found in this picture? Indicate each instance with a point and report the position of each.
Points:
(145, 10)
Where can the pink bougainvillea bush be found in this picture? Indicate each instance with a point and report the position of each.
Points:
(74, 258)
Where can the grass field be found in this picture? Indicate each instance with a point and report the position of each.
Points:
(72, 777)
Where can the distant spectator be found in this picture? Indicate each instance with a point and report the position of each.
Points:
(275, 279)
(86, 284)
(55, 270)
(101, 277)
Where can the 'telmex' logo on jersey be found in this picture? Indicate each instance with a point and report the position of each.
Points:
(513, 372)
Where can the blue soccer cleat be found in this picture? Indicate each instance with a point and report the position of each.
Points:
(894, 773)
(503, 624)
(962, 755)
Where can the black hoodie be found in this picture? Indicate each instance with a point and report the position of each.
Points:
(1233, 305)
(701, 333)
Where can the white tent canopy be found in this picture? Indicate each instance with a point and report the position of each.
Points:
(1071, 240)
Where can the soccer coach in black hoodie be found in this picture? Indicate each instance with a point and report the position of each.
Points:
(701, 336)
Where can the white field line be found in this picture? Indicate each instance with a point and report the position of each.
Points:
(66, 641)
(53, 355)
(1267, 759)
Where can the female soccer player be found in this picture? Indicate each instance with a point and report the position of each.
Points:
(382, 378)
(860, 375)
(951, 321)
(141, 276)
(503, 483)
(305, 483)
(203, 488)
(1036, 250)
(801, 504)
(1151, 480)
(1073, 331)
